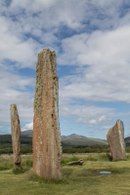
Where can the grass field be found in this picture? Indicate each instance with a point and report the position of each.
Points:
(76, 180)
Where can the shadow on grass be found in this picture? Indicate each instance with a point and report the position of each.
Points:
(33, 177)
(19, 170)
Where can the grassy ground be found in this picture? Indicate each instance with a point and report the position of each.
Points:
(77, 180)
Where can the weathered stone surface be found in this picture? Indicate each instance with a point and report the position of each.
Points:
(16, 132)
(46, 135)
(115, 138)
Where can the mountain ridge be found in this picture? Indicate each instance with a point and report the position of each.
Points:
(67, 140)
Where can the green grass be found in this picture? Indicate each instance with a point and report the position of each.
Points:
(76, 180)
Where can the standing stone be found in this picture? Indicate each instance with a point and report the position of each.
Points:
(46, 134)
(16, 132)
(115, 138)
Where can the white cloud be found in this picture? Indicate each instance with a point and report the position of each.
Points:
(14, 91)
(28, 126)
(52, 12)
(35, 4)
(102, 62)
(24, 21)
(43, 19)
(107, 76)
(90, 115)
(13, 48)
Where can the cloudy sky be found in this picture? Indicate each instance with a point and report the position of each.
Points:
(92, 42)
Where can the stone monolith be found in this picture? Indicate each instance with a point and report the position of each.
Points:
(46, 133)
(115, 138)
(16, 133)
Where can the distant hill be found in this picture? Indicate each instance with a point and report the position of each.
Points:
(70, 144)
(127, 141)
(27, 133)
(79, 140)
(70, 140)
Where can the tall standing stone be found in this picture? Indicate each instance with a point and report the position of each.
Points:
(46, 133)
(16, 132)
(115, 138)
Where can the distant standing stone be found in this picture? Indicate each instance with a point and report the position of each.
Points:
(16, 132)
(115, 138)
(46, 133)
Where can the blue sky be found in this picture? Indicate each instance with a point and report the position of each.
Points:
(92, 42)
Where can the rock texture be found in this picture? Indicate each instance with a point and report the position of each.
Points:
(115, 138)
(46, 135)
(16, 132)
(78, 162)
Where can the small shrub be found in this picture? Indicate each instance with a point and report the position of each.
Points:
(18, 170)
(67, 172)
(68, 159)
(5, 162)
(35, 178)
(28, 163)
